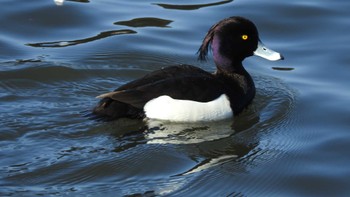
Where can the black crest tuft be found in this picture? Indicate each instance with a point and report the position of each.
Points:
(203, 49)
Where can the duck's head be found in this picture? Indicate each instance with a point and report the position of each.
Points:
(232, 40)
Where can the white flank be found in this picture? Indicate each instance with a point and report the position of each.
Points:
(167, 108)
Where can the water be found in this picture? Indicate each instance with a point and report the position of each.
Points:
(292, 141)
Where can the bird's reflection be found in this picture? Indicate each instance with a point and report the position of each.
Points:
(159, 132)
(214, 142)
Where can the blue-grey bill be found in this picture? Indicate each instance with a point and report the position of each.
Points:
(264, 52)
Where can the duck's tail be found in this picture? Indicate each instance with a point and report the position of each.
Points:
(108, 109)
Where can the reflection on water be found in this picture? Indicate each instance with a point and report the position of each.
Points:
(82, 41)
(159, 132)
(283, 68)
(191, 6)
(61, 2)
(210, 163)
(145, 22)
(80, 1)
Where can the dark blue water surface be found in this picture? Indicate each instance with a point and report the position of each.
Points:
(294, 140)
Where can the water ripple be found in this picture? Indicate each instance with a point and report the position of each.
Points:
(191, 6)
(145, 22)
(82, 41)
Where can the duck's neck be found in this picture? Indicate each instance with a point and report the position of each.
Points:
(238, 75)
(231, 71)
(219, 59)
(223, 63)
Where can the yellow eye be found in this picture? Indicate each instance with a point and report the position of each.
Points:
(245, 37)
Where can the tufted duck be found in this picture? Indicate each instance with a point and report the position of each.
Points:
(185, 93)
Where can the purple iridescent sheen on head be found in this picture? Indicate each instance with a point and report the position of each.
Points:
(219, 59)
(231, 41)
